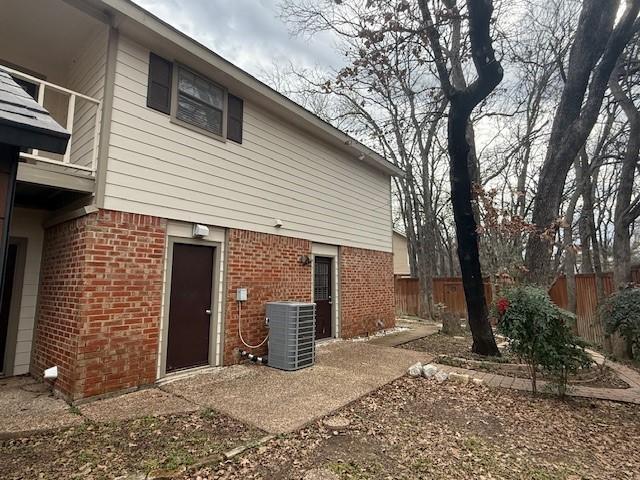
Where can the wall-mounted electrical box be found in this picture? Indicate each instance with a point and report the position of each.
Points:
(241, 295)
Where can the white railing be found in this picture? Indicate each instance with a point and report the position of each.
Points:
(88, 126)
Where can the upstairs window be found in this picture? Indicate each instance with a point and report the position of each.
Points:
(193, 100)
(200, 102)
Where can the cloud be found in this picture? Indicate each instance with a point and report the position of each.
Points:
(248, 33)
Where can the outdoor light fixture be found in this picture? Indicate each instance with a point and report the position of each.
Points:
(304, 260)
(200, 231)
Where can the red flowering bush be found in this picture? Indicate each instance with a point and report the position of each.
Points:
(539, 333)
(502, 306)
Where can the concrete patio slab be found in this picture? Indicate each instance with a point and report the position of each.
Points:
(279, 402)
(143, 403)
(27, 405)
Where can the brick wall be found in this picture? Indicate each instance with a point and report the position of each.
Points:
(366, 289)
(101, 286)
(99, 304)
(59, 301)
(268, 266)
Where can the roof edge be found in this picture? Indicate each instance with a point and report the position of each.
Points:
(134, 12)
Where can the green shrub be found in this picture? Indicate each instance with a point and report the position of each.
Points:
(540, 333)
(620, 314)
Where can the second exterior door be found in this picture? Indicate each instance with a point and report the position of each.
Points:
(190, 306)
(322, 296)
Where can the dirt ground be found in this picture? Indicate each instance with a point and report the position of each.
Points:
(107, 450)
(440, 344)
(419, 429)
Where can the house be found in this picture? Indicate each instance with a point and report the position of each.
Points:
(400, 254)
(185, 181)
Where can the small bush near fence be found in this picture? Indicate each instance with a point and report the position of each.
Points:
(540, 334)
(621, 314)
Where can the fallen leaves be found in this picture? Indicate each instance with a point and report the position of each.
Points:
(412, 429)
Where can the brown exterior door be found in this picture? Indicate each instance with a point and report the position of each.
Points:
(322, 296)
(190, 306)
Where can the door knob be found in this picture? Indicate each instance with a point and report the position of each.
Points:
(208, 311)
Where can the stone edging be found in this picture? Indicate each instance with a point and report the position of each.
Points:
(626, 395)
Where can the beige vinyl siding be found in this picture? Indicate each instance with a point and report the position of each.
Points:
(400, 255)
(87, 76)
(279, 172)
(27, 224)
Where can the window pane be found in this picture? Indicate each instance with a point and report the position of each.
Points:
(209, 93)
(201, 89)
(185, 82)
(199, 114)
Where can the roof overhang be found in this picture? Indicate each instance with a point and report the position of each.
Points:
(140, 25)
(24, 123)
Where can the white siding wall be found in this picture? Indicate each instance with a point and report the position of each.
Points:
(158, 168)
(87, 76)
(28, 224)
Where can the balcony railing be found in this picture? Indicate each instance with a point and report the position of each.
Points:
(78, 113)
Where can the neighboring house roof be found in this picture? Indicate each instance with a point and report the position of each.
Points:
(24, 123)
(397, 232)
(135, 20)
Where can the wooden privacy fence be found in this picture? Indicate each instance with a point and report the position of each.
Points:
(450, 293)
(446, 290)
(589, 325)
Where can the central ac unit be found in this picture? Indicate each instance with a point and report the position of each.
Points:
(292, 334)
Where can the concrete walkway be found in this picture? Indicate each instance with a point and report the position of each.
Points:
(272, 400)
(624, 395)
(414, 331)
(27, 406)
(279, 402)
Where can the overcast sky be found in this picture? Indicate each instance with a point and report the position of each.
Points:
(248, 33)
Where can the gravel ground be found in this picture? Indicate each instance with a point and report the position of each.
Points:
(418, 429)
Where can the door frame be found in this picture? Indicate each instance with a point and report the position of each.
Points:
(213, 319)
(11, 342)
(332, 252)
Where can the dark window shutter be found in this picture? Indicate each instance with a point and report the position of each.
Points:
(160, 78)
(234, 119)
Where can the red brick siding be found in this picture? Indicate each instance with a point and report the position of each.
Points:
(113, 278)
(366, 289)
(59, 300)
(268, 266)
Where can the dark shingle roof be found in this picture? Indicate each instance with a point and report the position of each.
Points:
(24, 123)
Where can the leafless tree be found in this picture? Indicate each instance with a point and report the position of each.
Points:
(625, 87)
(598, 43)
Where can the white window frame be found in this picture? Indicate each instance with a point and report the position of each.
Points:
(174, 104)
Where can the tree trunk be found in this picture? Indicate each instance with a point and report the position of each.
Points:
(596, 48)
(466, 231)
(462, 102)
(570, 251)
(589, 225)
(624, 215)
